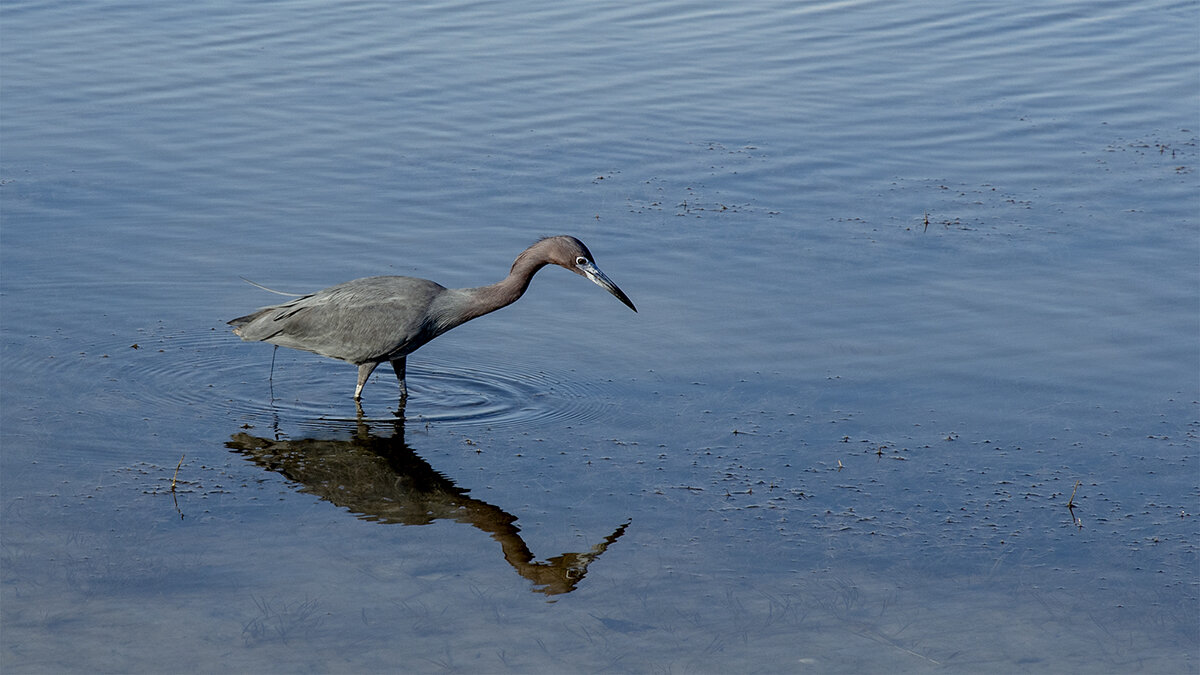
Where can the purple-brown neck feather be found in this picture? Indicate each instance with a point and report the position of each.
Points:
(561, 250)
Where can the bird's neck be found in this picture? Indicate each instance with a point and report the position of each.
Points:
(503, 293)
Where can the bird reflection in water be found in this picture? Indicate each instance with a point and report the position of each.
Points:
(381, 479)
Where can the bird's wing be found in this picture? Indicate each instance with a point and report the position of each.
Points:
(371, 319)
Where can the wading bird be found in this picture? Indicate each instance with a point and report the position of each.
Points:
(376, 319)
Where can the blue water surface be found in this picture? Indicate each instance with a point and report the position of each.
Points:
(913, 384)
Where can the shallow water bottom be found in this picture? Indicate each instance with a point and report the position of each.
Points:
(782, 541)
(321, 598)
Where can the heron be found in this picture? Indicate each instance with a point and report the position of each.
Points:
(375, 319)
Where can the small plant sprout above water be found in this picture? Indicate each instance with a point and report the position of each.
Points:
(1071, 507)
(176, 474)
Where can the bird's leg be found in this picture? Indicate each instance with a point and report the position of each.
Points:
(271, 377)
(364, 373)
(398, 366)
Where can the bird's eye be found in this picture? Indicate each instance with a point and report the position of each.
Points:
(581, 260)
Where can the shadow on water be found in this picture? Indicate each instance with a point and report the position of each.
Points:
(381, 479)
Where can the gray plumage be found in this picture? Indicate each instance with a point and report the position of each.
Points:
(376, 319)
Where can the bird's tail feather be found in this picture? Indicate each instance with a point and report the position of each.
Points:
(271, 290)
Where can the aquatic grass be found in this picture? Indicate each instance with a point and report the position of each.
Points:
(281, 622)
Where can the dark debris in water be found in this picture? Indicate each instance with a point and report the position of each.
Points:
(988, 494)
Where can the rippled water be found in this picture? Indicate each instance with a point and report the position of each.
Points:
(910, 280)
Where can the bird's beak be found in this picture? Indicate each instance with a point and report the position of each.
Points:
(592, 272)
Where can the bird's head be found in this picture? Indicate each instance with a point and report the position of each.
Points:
(569, 252)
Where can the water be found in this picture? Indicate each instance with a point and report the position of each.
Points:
(910, 280)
